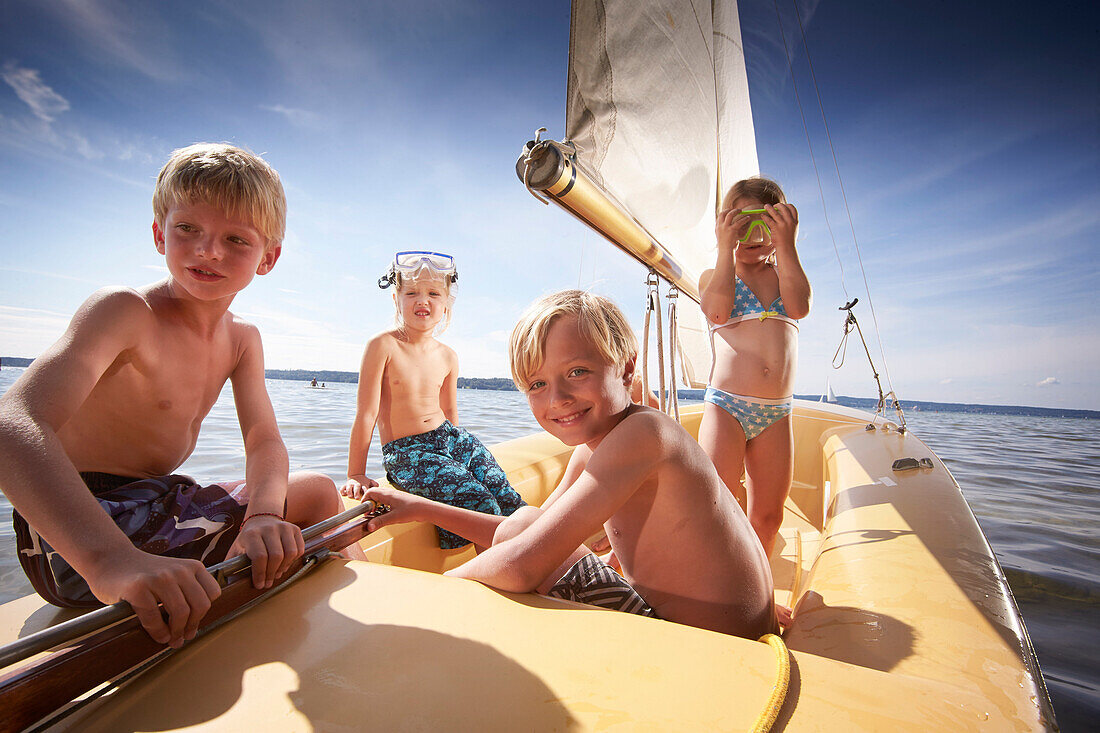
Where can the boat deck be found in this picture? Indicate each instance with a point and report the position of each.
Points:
(903, 622)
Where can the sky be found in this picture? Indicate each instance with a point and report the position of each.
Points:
(967, 136)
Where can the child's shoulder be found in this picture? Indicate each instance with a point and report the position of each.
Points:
(642, 417)
(384, 339)
(450, 354)
(111, 320)
(241, 328)
(383, 347)
(119, 296)
(117, 305)
(647, 431)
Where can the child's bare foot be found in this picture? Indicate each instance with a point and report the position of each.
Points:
(784, 615)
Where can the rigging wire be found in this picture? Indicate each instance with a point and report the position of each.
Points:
(810, 147)
(839, 178)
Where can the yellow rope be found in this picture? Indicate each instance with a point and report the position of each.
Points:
(766, 719)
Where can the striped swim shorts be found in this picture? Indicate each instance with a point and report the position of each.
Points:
(595, 583)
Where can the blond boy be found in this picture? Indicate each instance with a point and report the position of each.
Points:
(91, 432)
(687, 551)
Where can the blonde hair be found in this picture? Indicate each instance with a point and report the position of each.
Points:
(232, 179)
(398, 281)
(764, 190)
(600, 322)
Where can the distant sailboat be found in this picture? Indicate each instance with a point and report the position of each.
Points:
(830, 395)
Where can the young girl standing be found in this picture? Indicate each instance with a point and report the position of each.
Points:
(753, 298)
(408, 386)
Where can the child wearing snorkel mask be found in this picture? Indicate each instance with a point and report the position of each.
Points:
(746, 425)
(408, 387)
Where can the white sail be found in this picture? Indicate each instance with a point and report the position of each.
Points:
(670, 162)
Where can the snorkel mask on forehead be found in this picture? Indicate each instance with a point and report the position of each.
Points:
(757, 225)
(411, 265)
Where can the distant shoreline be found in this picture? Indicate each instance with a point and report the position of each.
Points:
(502, 384)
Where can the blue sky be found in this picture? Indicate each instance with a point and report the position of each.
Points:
(967, 137)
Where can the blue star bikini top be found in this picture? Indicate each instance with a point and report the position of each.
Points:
(747, 306)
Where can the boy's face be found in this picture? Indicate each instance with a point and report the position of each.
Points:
(421, 303)
(575, 395)
(211, 254)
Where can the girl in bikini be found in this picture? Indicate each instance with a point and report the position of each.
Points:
(408, 387)
(753, 299)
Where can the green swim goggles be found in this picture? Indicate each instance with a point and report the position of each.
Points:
(412, 263)
(756, 223)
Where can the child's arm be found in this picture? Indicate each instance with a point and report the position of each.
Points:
(794, 287)
(44, 486)
(405, 507)
(448, 393)
(367, 404)
(578, 459)
(627, 457)
(477, 527)
(718, 287)
(272, 544)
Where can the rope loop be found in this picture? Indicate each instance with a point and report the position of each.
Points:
(651, 303)
(842, 348)
(655, 304)
(670, 407)
(770, 713)
(673, 349)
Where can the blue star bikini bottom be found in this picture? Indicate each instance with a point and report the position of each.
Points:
(754, 413)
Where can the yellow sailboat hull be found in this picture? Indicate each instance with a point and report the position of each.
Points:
(904, 621)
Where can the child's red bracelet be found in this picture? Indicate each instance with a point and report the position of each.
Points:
(260, 514)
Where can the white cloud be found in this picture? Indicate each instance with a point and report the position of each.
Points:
(58, 142)
(27, 332)
(1048, 382)
(479, 356)
(296, 117)
(11, 311)
(44, 102)
(44, 273)
(946, 381)
(132, 33)
(295, 342)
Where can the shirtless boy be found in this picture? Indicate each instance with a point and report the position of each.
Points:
(100, 420)
(408, 388)
(686, 549)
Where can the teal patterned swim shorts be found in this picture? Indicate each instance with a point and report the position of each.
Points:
(450, 465)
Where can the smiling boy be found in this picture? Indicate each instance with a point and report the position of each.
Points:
(92, 431)
(687, 551)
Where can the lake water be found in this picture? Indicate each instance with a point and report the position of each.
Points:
(1030, 481)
